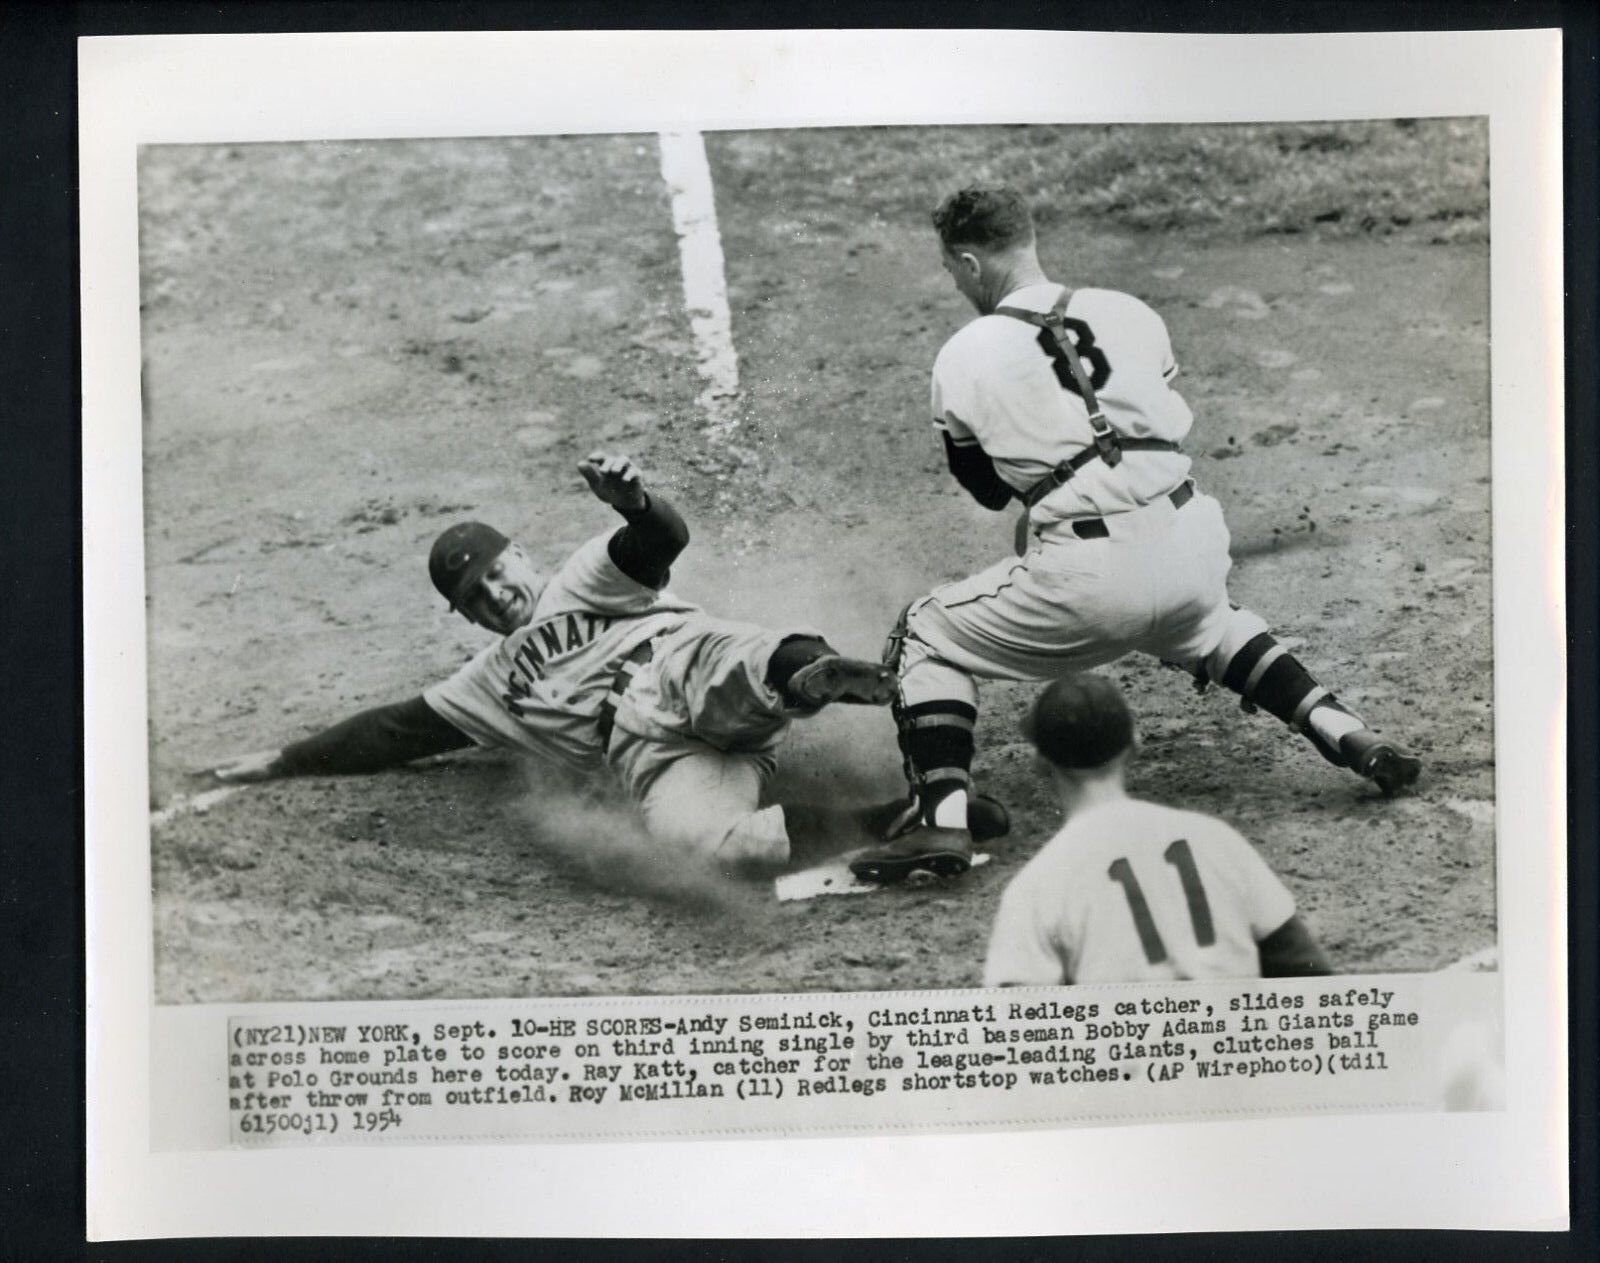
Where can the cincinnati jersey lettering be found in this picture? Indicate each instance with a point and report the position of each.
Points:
(546, 646)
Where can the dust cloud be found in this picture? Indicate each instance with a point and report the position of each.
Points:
(603, 843)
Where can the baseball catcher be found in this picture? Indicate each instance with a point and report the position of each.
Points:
(1062, 399)
(598, 665)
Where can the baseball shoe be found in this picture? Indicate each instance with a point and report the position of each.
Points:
(1382, 762)
(987, 819)
(943, 852)
(833, 678)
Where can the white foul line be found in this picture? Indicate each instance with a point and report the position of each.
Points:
(705, 290)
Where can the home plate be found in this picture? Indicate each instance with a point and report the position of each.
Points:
(835, 878)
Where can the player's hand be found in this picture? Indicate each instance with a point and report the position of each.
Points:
(613, 479)
(263, 765)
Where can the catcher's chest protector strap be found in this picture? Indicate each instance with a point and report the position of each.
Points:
(1107, 445)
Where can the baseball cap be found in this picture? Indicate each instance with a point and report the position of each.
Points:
(461, 555)
(1080, 722)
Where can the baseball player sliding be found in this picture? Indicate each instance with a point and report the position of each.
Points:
(1129, 891)
(599, 664)
(1062, 399)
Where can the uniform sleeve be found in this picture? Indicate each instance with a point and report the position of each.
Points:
(1022, 951)
(1267, 900)
(470, 699)
(383, 737)
(646, 547)
(952, 398)
(1292, 951)
(976, 473)
(591, 579)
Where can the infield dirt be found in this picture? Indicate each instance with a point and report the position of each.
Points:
(348, 346)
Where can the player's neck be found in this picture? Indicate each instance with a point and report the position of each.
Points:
(1014, 272)
(1080, 794)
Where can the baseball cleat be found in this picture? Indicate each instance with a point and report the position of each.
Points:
(833, 678)
(942, 852)
(1382, 762)
(884, 821)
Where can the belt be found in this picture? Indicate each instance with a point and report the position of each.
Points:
(630, 667)
(1096, 528)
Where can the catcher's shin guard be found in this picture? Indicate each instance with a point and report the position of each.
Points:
(1270, 678)
(935, 732)
(936, 740)
(1252, 663)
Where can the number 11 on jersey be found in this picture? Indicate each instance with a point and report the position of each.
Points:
(1182, 858)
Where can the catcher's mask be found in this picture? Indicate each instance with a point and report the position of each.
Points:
(461, 556)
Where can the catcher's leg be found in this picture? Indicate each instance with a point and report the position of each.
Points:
(935, 715)
(1052, 613)
(1250, 661)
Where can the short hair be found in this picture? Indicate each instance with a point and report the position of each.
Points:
(1080, 722)
(991, 219)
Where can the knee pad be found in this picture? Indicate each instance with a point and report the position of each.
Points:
(1268, 676)
(1243, 626)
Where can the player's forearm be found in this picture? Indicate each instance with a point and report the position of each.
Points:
(646, 547)
(975, 471)
(1290, 951)
(383, 737)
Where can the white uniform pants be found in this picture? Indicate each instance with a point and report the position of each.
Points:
(695, 738)
(1156, 584)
